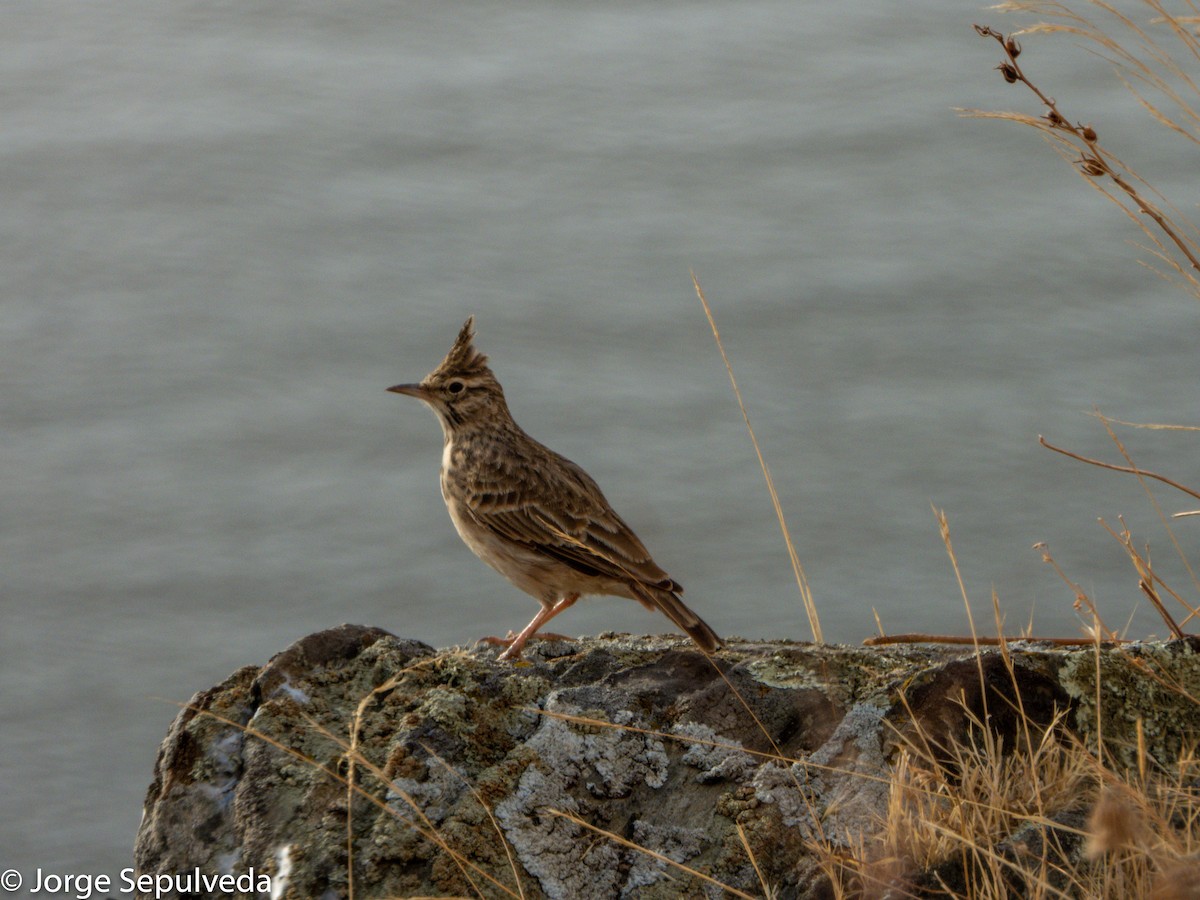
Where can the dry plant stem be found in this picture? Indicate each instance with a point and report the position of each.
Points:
(758, 754)
(918, 638)
(750, 854)
(624, 842)
(1094, 160)
(429, 831)
(512, 863)
(1010, 667)
(1022, 784)
(763, 730)
(1099, 698)
(810, 606)
(1147, 577)
(1193, 612)
(878, 622)
(460, 861)
(1081, 598)
(944, 531)
(816, 816)
(1132, 470)
(1152, 426)
(700, 742)
(352, 755)
(351, 759)
(1154, 502)
(1153, 597)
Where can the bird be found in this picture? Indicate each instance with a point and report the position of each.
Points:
(531, 514)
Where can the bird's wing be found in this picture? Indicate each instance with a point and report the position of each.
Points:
(563, 514)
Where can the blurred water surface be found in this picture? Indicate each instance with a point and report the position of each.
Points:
(228, 228)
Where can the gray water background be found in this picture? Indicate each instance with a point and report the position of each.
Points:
(226, 228)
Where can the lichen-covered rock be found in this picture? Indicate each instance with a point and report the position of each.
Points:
(585, 770)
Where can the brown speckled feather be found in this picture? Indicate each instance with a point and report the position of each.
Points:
(558, 510)
(534, 516)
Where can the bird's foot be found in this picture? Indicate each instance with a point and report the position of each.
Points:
(497, 641)
(514, 644)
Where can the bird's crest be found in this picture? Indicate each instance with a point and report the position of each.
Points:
(463, 359)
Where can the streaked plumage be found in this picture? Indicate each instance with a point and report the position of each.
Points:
(531, 514)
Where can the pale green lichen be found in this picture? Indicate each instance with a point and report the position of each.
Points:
(1156, 684)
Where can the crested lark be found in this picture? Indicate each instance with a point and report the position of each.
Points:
(532, 515)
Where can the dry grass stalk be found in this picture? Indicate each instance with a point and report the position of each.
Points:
(1097, 630)
(422, 825)
(654, 854)
(1132, 470)
(1149, 582)
(913, 637)
(810, 606)
(1165, 90)
(1158, 509)
(1141, 839)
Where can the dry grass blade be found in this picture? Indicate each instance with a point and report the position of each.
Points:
(1101, 633)
(624, 842)
(590, 722)
(1132, 470)
(428, 830)
(462, 862)
(1153, 426)
(882, 640)
(753, 860)
(1150, 68)
(933, 829)
(758, 754)
(815, 813)
(351, 774)
(512, 863)
(944, 531)
(810, 607)
(352, 756)
(1153, 502)
(1146, 576)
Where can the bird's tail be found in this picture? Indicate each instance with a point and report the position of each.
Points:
(680, 613)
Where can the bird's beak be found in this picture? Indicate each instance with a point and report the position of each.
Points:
(413, 390)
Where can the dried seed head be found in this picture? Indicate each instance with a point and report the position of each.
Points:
(1012, 48)
(1092, 166)
(1009, 72)
(1054, 118)
(1115, 823)
(1176, 881)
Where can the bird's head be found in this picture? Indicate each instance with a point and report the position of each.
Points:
(462, 390)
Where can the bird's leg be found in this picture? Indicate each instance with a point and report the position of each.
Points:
(507, 640)
(545, 614)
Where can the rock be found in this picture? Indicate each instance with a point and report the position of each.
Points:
(469, 773)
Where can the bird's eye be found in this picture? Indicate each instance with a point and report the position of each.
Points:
(456, 387)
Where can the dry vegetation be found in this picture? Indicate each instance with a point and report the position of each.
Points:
(1144, 49)
(1048, 817)
(1051, 817)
